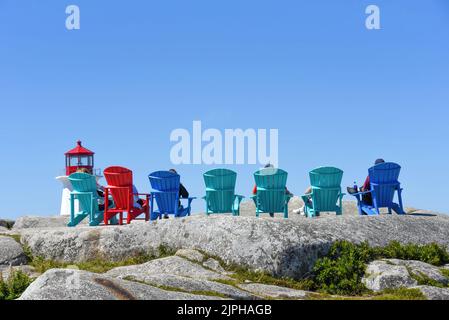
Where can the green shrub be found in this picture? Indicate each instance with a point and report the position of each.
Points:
(342, 270)
(14, 286)
(429, 253)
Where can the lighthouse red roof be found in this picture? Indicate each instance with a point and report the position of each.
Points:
(80, 150)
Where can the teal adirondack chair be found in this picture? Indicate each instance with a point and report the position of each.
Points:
(271, 196)
(326, 193)
(85, 191)
(220, 192)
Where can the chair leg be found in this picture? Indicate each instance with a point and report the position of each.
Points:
(401, 207)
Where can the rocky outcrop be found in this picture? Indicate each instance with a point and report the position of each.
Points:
(381, 275)
(67, 284)
(282, 247)
(421, 269)
(275, 292)
(394, 273)
(11, 252)
(33, 222)
(192, 255)
(171, 265)
(434, 293)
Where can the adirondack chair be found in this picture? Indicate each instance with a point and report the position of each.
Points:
(271, 196)
(326, 192)
(165, 185)
(384, 184)
(220, 192)
(120, 186)
(85, 191)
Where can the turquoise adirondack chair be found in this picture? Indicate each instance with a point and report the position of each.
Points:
(271, 196)
(220, 192)
(85, 191)
(165, 189)
(326, 192)
(384, 184)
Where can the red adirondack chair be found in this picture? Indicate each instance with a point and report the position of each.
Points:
(120, 186)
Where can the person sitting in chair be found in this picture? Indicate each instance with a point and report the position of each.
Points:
(269, 165)
(367, 197)
(183, 194)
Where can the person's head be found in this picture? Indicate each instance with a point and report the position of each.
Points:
(379, 161)
(82, 170)
(269, 165)
(173, 171)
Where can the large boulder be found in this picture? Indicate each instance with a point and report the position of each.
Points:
(32, 222)
(275, 292)
(170, 265)
(188, 284)
(434, 293)
(67, 284)
(282, 247)
(422, 270)
(11, 252)
(395, 273)
(381, 275)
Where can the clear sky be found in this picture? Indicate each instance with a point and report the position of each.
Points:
(339, 94)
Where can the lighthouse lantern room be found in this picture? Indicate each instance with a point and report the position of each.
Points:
(77, 158)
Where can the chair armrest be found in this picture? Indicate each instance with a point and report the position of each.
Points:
(360, 193)
(82, 192)
(114, 187)
(165, 192)
(142, 194)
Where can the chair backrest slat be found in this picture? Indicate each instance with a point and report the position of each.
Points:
(84, 182)
(271, 184)
(384, 181)
(120, 177)
(326, 185)
(220, 189)
(167, 184)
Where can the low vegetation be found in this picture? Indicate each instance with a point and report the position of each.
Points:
(338, 275)
(342, 270)
(14, 285)
(99, 265)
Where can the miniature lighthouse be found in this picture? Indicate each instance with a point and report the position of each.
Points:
(75, 159)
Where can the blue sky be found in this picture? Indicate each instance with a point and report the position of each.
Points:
(339, 94)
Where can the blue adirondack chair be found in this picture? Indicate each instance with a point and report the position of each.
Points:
(165, 185)
(220, 192)
(271, 196)
(384, 184)
(326, 192)
(85, 191)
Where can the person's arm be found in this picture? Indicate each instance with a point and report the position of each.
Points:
(183, 193)
(366, 185)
